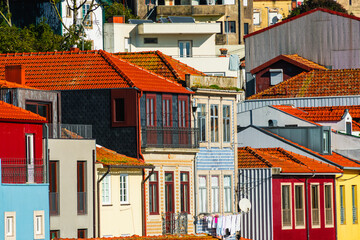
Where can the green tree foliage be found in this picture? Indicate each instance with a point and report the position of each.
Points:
(118, 9)
(312, 4)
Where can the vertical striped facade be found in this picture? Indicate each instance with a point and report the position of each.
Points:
(256, 185)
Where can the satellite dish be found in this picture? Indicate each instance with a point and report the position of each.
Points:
(279, 16)
(245, 205)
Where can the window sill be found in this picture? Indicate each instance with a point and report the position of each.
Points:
(125, 204)
(107, 204)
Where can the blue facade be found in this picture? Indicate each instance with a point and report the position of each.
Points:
(215, 159)
(24, 199)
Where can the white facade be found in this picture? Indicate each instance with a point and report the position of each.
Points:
(93, 25)
(190, 43)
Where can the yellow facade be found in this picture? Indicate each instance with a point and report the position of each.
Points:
(348, 227)
(264, 12)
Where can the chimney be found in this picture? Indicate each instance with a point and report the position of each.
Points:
(117, 19)
(15, 73)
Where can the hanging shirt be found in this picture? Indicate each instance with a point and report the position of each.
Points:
(209, 222)
(238, 219)
(219, 226)
(233, 224)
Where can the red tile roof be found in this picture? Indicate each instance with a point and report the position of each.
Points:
(293, 59)
(315, 84)
(112, 158)
(334, 157)
(10, 113)
(302, 15)
(160, 237)
(6, 84)
(289, 162)
(85, 70)
(161, 64)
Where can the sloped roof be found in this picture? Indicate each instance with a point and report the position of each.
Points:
(12, 113)
(161, 64)
(315, 83)
(7, 84)
(302, 15)
(289, 162)
(77, 70)
(293, 59)
(111, 158)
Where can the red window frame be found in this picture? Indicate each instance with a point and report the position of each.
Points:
(166, 112)
(150, 97)
(183, 111)
(169, 185)
(129, 109)
(47, 105)
(81, 187)
(154, 185)
(53, 186)
(185, 193)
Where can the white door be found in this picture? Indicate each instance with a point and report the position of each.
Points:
(30, 157)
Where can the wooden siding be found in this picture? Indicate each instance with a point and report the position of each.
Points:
(215, 159)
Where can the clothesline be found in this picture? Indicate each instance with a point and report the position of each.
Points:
(224, 225)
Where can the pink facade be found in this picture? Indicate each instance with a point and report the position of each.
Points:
(280, 232)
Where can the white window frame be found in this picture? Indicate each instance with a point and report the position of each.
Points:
(332, 205)
(106, 180)
(127, 43)
(278, 71)
(303, 202)
(311, 205)
(215, 194)
(30, 157)
(39, 227)
(88, 23)
(259, 22)
(290, 203)
(126, 185)
(214, 123)
(203, 200)
(7, 217)
(227, 198)
(201, 119)
(225, 124)
(184, 53)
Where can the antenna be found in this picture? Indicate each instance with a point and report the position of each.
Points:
(245, 205)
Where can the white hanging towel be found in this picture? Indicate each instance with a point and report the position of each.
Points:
(219, 226)
(238, 219)
(209, 221)
(233, 224)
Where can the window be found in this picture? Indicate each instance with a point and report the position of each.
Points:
(221, 26)
(119, 109)
(227, 193)
(226, 123)
(246, 28)
(169, 192)
(348, 126)
(68, 12)
(81, 188)
(39, 225)
(30, 158)
(201, 111)
(315, 208)
(41, 108)
(185, 48)
(342, 204)
(124, 189)
(286, 206)
(245, 3)
(153, 194)
(350, 2)
(183, 111)
(151, 110)
(166, 110)
(215, 194)
(273, 17)
(10, 225)
(230, 27)
(214, 121)
(53, 182)
(184, 192)
(127, 45)
(354, 204)
(256, 18)
(325, 141)
(54, 234)
(202, 194)
(276, 76)
(87, 16)
(328, 204)
(106, 190)
(299, 206)
(150, 40)
(82, 233)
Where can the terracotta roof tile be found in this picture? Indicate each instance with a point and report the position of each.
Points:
(161, 64)
(289, 162)
(160, 237)
(84, 70)
(110, 157)
(9, 112)
(305, 62)
(6, 84)
(315, 83)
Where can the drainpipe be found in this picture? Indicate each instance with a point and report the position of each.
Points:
(334, 207)
(46, 175)
(94, 197)
(140, 156)
(143, 210)
(307, 209)
(98, 198)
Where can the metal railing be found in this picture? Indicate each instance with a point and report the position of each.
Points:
(70, 131)
(19, 171)
(169, 137)
(354, 213)
(174, 223)
(328, 216)
(286, 217)
(315, 217)
(54, 203)
(342, 215)
(81, 202)
(299, 217)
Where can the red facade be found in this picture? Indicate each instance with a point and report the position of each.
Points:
(322, 232)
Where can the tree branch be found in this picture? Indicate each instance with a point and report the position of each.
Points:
(58, 14)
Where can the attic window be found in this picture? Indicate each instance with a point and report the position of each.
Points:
(150, 40)
(326, 141)
(348, 127)
(276, 76)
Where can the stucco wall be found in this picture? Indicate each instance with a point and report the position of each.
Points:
(67, 152)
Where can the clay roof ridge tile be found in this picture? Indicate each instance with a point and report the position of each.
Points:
(166, 62)
(293, 158)
(253, 152)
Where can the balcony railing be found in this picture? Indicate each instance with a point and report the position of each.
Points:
(354, 213)
(81, 202)
(54, 203)
(70, 131)
(174, 223)
(20, 171)
(169, 137)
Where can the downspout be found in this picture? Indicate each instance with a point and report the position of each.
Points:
(196, 194)
(140, 156)
(334, 207)
(98, 198)
(94, 197)
(46, 175)
(143, 210)
(307, 209)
